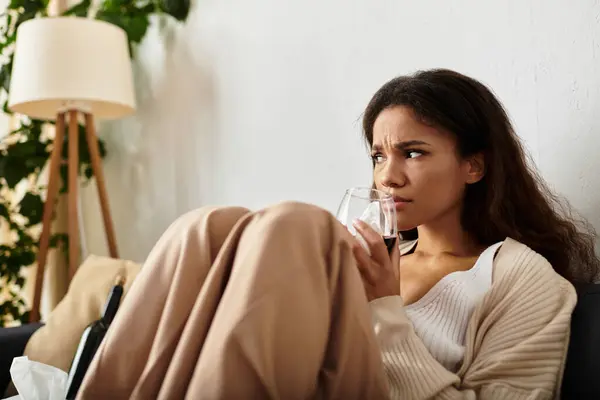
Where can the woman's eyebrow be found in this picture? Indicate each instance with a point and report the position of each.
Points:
(402, 145)
(409, 143)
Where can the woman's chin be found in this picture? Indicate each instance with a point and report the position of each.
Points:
(403, 227)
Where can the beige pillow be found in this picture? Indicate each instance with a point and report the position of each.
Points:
(56, 342)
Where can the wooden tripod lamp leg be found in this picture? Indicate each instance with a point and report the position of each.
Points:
(53, 182)
(73, 193)
(90, 131)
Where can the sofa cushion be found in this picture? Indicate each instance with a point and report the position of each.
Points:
(56, 342)
(12, 344)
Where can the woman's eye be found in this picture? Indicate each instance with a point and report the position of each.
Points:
(377, 158)
(413, 153)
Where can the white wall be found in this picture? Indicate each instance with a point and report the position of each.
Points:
(253, 102)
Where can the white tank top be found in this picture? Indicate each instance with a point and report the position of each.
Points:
(440, 318)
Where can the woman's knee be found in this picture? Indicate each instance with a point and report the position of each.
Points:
(218, 214)
(216, 220)
(294, 213)
(298, 220)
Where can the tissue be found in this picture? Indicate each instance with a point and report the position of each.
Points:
(37, 381)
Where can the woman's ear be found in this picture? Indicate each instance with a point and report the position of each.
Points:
(475, 168)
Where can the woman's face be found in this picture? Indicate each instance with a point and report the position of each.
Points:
(419, 165)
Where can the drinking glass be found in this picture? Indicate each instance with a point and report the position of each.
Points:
(374, 207)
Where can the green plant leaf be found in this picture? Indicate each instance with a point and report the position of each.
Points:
(28, 9)
(20, 257)
(135, 26)
(4, 212)
(88, 172)
(178, 9)
(5, 72)
(21, 159)
(59, 240)
(32, 208)
(13, 170)
(28, 5)
(33, 130)
(5, 108)
(24, 317)
(80, 9)
(63, 171)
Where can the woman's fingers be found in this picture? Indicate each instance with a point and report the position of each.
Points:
(375, 242)
(378, 270)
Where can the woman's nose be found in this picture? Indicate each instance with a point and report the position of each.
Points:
(392, 176)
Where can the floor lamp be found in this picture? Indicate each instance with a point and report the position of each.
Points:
(66, 69)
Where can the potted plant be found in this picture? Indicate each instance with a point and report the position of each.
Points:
(26, 150)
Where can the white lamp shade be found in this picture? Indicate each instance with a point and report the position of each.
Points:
(67, 62)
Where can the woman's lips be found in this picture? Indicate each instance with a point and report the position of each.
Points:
(401, 202)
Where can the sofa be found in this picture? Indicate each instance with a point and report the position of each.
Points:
(55, 342)
(580, 379)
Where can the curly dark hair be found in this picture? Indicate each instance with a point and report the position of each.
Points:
(512, 200)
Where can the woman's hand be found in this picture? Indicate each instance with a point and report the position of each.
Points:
(380, 270)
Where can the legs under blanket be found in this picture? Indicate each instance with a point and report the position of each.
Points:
(233, 304)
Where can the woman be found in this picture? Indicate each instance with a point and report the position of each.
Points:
(283, 303)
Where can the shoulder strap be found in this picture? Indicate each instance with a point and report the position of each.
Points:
(406, 246)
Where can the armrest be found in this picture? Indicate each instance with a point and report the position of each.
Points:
(12, 344)
(580, 380)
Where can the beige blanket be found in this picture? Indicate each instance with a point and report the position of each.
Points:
(239, 305)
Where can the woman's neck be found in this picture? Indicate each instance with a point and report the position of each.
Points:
(445, 235)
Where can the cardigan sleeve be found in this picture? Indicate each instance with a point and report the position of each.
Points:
(517, 342)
